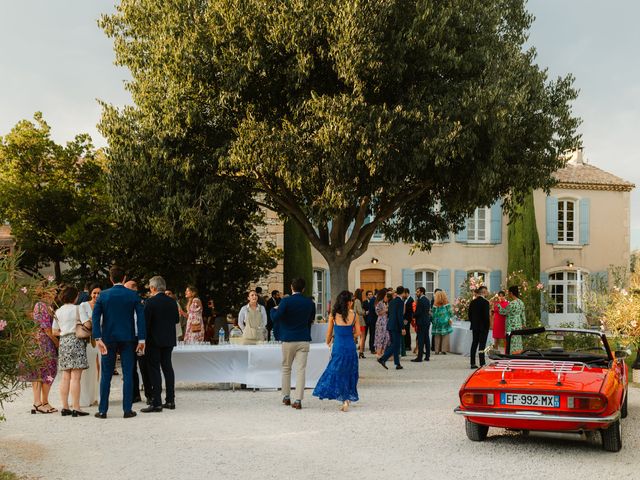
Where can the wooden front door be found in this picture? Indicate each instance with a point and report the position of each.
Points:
(372, 279)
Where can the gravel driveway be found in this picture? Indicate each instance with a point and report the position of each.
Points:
(403, 427)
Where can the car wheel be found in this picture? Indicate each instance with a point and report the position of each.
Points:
(475, 432)
(611, 439)
(623, 410)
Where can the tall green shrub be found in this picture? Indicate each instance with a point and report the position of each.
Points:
(297, 257)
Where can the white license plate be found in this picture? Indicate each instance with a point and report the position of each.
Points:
(527, 400)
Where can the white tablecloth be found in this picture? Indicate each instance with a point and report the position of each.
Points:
(461, 338)
(254, 365)
(319, 332)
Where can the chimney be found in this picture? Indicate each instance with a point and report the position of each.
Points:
(576, 157)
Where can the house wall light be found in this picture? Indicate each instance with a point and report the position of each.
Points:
(374, 260)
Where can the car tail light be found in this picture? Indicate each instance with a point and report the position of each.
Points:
(585, 403)
(477, 399)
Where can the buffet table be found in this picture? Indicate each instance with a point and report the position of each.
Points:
(257, 366)
(461, 338)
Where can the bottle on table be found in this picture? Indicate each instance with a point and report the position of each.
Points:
(221, 336)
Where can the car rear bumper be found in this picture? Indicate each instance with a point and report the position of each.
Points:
(528, 416)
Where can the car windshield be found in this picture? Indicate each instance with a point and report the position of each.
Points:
(578, 345)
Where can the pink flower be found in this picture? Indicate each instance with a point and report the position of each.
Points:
(3, 324)
(50, 278)
(539, 286)
(24, 290)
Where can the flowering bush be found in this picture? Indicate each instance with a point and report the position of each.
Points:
(461, 303)
(621, 314)
(17, 328)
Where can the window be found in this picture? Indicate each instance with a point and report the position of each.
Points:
(566, 221)
(478, 226)
(566, 289)
(427, 280)
(481, 275)
(319, 291)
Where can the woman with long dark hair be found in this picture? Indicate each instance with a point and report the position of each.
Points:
(340, 379)
(515, 317)
(382, 337)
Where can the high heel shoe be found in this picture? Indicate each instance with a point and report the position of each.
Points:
(361, 355)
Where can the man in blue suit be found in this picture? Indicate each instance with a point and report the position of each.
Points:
(423, 322)
(395, 325)
(114, 331)
(292, 320)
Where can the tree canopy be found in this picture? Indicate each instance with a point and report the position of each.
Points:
(350, 117)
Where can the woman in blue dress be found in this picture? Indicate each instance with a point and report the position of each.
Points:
(340, 379)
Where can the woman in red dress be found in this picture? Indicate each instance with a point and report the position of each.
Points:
(499, 321)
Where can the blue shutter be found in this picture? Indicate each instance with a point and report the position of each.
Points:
(584, 207)
(552, 220)
(459, 277)
(409, 279)
(327, 290)
(496, 222)
(544, 309)
(444, 281)
(495, 278)
(461, 236)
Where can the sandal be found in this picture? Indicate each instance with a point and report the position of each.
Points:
(35, 409)
(50, 409)
(345, 405)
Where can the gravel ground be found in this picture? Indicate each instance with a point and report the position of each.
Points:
(403, 427)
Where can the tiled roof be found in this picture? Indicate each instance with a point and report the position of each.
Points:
(585, 176)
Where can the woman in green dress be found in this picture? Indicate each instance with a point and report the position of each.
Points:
(442, 314)
(515, 317)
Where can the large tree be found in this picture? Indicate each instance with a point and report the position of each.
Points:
(351, 117)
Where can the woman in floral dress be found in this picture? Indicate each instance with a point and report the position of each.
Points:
(382, 338)
(46, 354)
(515, 317)
(442, 314)
(194, 331)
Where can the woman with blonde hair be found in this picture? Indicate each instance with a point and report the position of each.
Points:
(194, 330)
(442, 314)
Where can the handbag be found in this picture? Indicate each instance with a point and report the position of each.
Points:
(196, 327)
(82, 332)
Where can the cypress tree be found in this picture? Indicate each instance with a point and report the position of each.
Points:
(297, 257)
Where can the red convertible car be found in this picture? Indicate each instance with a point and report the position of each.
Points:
(554, 380)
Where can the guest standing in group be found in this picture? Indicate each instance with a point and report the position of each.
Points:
(383, 339)
(89, 382)
(84, 295)
(194, 330)
(114, 331)
(423, 322)
(372, 318)
(480, 324)
(340, 379)
(408, 319)
(172, 296)
(161, 317)
(72, 356)
(274, 301)
(292, 321)
(46, 354)
(442, 314)
(361, 321)
(515, 317)
(395, 326)
(433, 337)
(499, 321)
(139, 360)
(252, 320)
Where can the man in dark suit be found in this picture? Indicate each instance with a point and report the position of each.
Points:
(139, 361)
(371, 319)
(408, 318)
(274, 301)
(292, 321)
(395, 326)
(480, 324)
(114, 331)
(423, 322)
(161, 316)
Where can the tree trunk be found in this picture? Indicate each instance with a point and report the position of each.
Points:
(339, 273)
(57, 270)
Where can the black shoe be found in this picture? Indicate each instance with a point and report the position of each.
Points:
(361, 355)
(100, 415)
(65, 411)
(426, 359)
(137, 399)
(382, 363)
(417, 360)
(373, 352)
(399, 367)
(169, 405)
(443, 353)
(150, 409)
(79, 413)
(130, 414)
(474, 367)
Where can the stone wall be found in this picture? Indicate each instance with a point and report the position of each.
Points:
(272, 231)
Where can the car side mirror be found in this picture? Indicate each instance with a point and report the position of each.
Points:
(621, 354)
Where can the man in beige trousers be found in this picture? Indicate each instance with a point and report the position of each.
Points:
(292, 320)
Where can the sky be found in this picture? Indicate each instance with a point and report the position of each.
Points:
(55, 59)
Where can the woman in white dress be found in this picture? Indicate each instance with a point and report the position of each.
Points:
(89, 389)
(252, 320)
